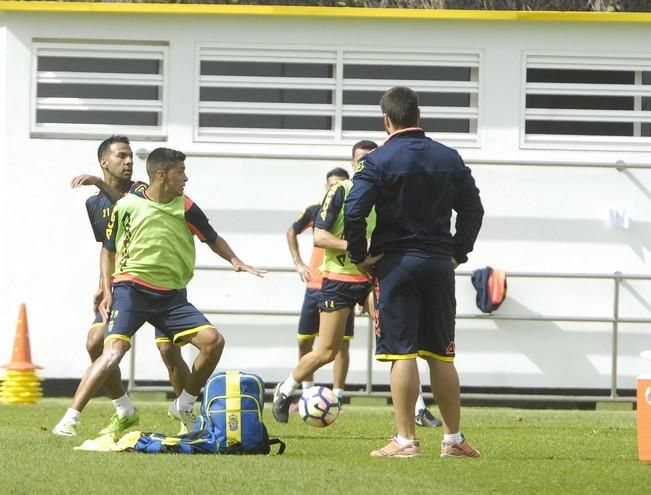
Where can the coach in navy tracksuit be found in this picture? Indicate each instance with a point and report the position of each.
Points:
(414, 184)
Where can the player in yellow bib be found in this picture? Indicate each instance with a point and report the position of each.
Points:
(308, 325)
(152, 233)
(342, 287)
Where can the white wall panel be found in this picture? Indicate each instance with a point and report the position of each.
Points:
(538, 219)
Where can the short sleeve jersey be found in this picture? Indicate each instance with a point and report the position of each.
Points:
(306, 220)
(337, 264)
(99, 208)
(154, 241)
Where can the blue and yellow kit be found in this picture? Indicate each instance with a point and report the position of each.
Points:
(155, 260)
(308, 323)
(99, 208)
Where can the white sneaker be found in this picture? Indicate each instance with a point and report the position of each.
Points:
(66, 428)
(187, 418)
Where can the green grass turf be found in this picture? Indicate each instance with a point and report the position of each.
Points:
(523, 452)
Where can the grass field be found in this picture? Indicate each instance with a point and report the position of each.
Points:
(523, 452)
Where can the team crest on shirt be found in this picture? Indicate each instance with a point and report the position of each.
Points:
(359, 166)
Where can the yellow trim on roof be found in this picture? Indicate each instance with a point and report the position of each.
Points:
(339, 12)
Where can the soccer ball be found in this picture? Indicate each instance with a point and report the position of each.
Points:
(318, 406)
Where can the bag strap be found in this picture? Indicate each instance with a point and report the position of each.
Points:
(278, 441)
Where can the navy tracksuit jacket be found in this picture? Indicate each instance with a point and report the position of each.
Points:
(414, 183)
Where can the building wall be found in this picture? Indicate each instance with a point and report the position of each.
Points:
(538, 219)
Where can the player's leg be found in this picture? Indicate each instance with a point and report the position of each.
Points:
(308, 329)
(332, 327)
(445, 385)
(305, 346)
(397, 303)
(183, 323)
(103, 366)
(335, 306)
(177, 369)
(342, 359)
(210, 344)
(92, 380)
(424, 416)
(337, 302)
(404, 392)
(126, 318)
(124, 408)
(437, 334)
(95, 346)
(331, 333)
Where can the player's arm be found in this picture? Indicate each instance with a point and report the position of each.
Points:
(99, 294)
(331, 206)
(304, 221)
(358, 205)
(221, 248)
(107, 265)
(325, 239)
(470, 213)
(93, 180)
(301, 268)
(200, 226)
(107, 262)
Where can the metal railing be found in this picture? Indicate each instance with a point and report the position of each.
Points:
(615, 320)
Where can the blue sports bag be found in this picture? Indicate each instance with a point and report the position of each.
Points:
(231, 409)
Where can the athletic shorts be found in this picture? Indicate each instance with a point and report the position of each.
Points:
(168, 311)
(158, 335)
(415, 308)
(337, 295)
(308, 323)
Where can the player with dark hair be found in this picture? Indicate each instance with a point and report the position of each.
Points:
(334, 318)
(342, 288)
(151, 231)
(423, 415)
(116, 161)
(308, 323)
(414, 184)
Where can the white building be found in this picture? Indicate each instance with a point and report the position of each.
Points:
(552, 111)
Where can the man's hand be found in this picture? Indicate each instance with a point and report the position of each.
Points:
(455, 263)
(243, 267)
(97, 298)
(366, 265)
(104, 307)
(304, 272)
(85, 180)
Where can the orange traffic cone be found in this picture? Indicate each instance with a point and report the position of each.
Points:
(21, 385)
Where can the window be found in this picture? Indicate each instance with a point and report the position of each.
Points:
(573, 100)
(95, 89)
(266, 92)
(447, 87)
(328, 95)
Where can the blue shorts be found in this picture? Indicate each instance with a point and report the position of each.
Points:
(168, 311)
(337, 295)
(158, 335)
(308, 323)
(415, 308)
